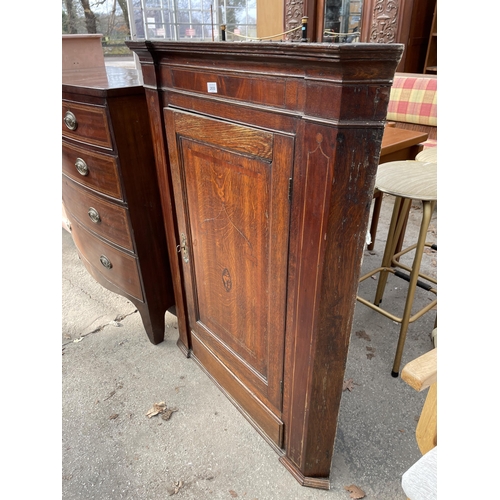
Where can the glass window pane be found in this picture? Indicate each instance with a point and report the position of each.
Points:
(236, 16)
(207, 18)
(355, 7)
(183, 16)
(192, 32)
(197, 15)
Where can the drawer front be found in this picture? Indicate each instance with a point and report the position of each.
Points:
(94, 170)
(117, 267)
(104, 218)
(86, 123)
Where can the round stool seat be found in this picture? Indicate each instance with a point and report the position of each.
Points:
(429, 154)
(409, 179)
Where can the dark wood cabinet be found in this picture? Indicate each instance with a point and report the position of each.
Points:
(430, 65)
(267, 155)
(381, 21)
(400, 21)
(110, 190)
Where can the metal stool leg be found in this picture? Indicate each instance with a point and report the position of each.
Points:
(419, 251)
(401, 238)
(400, 206)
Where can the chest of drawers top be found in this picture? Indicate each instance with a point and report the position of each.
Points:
(101, 82)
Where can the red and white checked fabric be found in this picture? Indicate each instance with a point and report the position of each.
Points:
(413, 100)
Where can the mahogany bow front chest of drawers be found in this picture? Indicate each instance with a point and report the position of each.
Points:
(268, 152)
(110, 190)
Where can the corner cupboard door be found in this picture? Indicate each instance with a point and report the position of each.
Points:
(231, 190)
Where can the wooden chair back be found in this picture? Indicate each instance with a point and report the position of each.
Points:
(421, 373)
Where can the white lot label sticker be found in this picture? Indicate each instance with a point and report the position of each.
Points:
(212, 87)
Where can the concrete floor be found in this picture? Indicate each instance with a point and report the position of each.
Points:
(112, 375)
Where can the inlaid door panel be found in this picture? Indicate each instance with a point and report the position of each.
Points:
(231, 189)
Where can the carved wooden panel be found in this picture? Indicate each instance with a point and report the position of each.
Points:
(294, 11)
(384, 25)
(400, 21)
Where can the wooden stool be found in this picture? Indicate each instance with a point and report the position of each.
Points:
(407, 180)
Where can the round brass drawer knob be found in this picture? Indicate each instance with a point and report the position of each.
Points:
(94, 215)
(70, 120)
(105, 262)
(82, 167)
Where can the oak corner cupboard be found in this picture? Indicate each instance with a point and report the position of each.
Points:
(267, 154)
(110, 190)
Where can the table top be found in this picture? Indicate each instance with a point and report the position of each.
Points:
(410, 179)
(395, 139)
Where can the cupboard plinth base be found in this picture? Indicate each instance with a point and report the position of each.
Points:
(322, 483)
